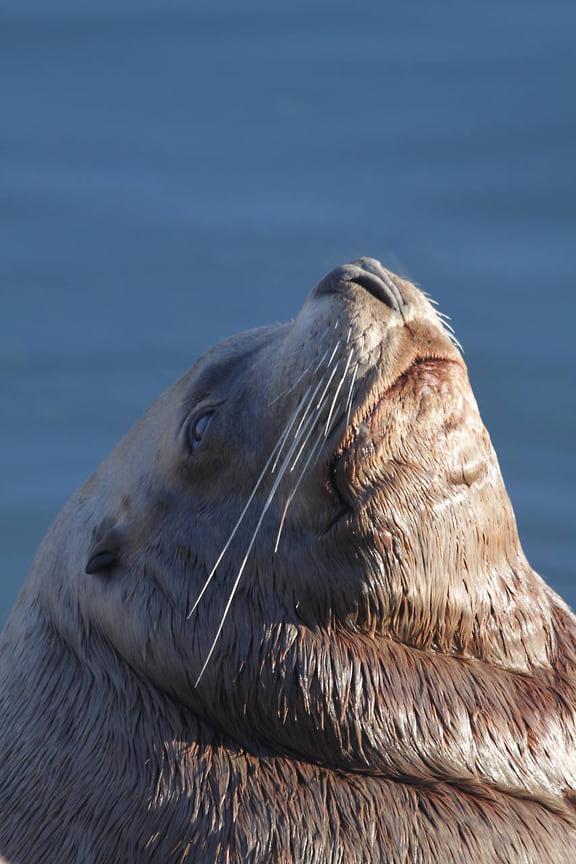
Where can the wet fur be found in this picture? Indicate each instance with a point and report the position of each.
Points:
(393, 684)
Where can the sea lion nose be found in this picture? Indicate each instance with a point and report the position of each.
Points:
(369, 274)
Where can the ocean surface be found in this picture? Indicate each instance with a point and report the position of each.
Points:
(173, 172)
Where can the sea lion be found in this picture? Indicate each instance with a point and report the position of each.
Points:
(289, 619)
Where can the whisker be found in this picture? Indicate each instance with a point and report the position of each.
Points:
(337, 392)
(350, 395)
(281, 525)
(306, 426)
(314, 452)
(306, 433)
(286, 433)
(446, 324)
(299, 439)
(304, 418)
(321, 403)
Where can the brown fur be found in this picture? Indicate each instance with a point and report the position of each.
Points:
(393, 684)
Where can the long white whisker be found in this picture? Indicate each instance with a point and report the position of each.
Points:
(305, 420)
(321, 403)
(336, 346)
(303, 438)
(312, 454)
(337, 392)
(281, 525)
(307, 409)
(314, 451)
(284, 437)
(303, 433)
(350, 395)
(447, 325)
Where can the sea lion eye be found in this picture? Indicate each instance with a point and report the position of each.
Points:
(197, 428)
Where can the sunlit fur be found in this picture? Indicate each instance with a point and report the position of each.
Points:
(315, 636)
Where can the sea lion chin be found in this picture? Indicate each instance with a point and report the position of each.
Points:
(289, 619)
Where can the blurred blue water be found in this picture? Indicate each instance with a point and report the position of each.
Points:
(173, 172)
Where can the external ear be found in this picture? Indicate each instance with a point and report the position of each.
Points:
(106, 552)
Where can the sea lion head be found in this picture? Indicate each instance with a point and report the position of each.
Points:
(306, 499)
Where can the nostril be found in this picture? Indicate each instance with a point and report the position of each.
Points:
(368, 274)
(382, 289)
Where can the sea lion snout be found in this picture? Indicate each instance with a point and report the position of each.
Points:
(369, 274)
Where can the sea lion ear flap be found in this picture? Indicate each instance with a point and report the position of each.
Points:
(106, 552)
(467, 457)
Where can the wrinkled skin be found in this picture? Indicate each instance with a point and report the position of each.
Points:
(392, 683)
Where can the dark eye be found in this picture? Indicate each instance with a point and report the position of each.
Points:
(196, 430)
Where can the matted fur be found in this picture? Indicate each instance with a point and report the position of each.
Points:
(289, 619)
